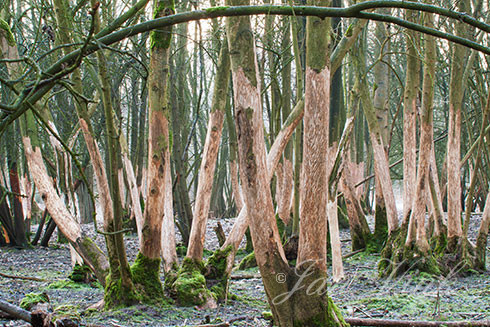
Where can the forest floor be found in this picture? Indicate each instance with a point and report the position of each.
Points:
(413, 296)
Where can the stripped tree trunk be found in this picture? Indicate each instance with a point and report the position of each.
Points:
(481, 239)
(242, 222)
(148, 261)
(68, 225)
(456, 93)
(410, 118)
(381, 106)
(426, 143)
(209, 156)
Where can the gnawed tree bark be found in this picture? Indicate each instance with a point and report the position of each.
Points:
(188, 289)
(456, 93)
(146, 269)
(410, 97)
(209, 156)
(68, 225)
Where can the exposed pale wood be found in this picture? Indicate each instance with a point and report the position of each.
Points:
(285, 200)
(100, 173)
(453, 153)
(209, 156)
(314, 174)
(235, 186)
(410, 118)
(169, 252)
(67, 224)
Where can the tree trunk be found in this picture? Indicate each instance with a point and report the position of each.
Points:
(146, 269)
(209, 156)
(91, 254)
(456, 93)
(410, 97)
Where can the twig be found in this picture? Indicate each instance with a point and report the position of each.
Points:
(22, 277)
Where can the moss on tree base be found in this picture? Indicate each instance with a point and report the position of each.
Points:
(248, 262)
(116, 295)
(146, 278)
(190, 287)
(216, 275)
(459, 257)
(397, 258)
(311, 305)
(81, 274)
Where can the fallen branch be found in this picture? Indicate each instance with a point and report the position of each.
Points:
(406, 323)
(22, 277)
(348, 255)
(238, 277)
(15, 311)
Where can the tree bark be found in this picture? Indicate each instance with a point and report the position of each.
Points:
(148, 262)
(209, 156)
(410, 97)
(68, 225)
(456, 93)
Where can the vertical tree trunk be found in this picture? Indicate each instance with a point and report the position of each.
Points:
(209, 156)
(410, 118)
(119, 289)
(426, 143)
(146, 269)
(19, 225)
(381, 106)
(456, 93)
(381, 167)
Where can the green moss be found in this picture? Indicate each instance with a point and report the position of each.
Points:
(215, 9)
(317, 43)
(248, 262)
(267, 315)
(190, 286)
(8, 32)
(67, 311)
(31, 299)
(66, 284)
(398, 257)
(181, 250)
(117, 295)
(171, 277)
(80, 274)
(332, 317)
(207, 253)
(215, 272)
(146, 278)
(93, 251)
(161, 38)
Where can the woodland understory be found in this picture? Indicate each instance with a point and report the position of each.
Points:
(349, 142)
(362, 294)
